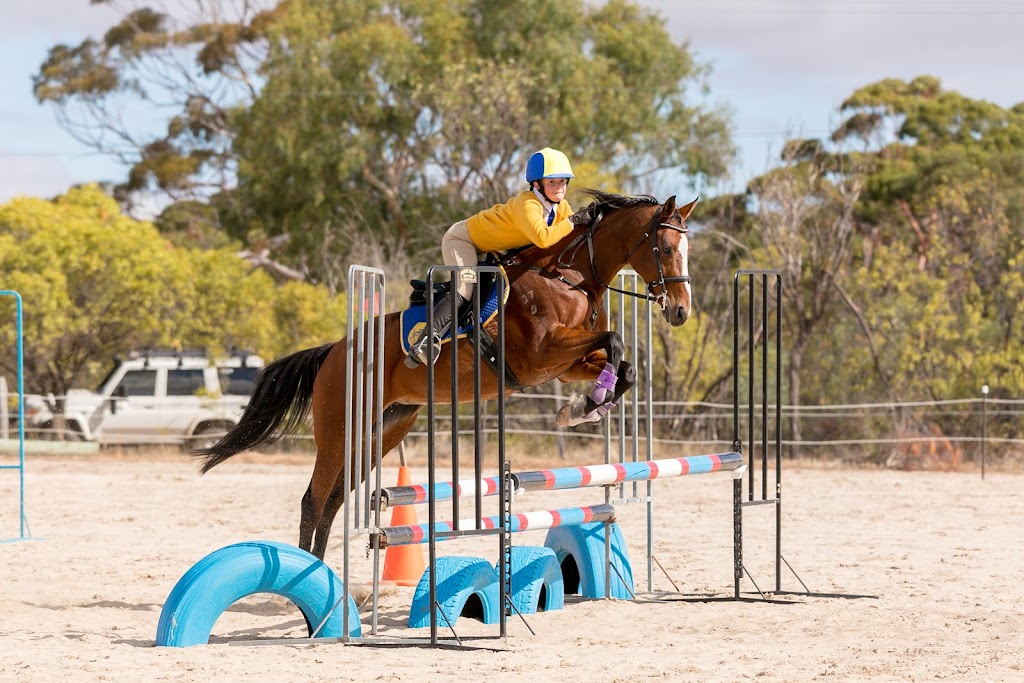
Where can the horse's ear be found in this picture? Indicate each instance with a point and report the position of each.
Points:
(685, 211)
(668, 208)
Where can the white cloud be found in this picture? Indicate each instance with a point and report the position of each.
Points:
(37, 176)
(785, 66)
(55, 17)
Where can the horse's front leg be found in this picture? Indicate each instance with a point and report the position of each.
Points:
(599, 359)
(582, 408)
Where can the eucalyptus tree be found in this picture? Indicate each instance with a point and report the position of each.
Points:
(387, 121)
(944, 203)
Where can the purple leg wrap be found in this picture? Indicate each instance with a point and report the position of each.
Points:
(604, 385)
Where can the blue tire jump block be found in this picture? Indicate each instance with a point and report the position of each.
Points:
(580, 553)
(225, 576)
(536, 580)
(458, 580)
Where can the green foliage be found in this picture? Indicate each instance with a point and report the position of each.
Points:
(350, 138)
(373, 125)
(96, 283)
(941, 225)
(145, 60)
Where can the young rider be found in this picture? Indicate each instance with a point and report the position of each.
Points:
(539, 215)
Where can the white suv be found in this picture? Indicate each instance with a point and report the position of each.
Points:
(166, 397)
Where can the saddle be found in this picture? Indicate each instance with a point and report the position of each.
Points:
(418, 295)
(414, 318)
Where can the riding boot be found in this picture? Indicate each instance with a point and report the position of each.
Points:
(442, 319)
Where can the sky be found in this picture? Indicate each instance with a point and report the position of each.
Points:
(782, 67)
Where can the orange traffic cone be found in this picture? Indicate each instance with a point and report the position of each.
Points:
(403, 564)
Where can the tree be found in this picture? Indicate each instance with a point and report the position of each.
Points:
(805, 214)
(95, 283)
(387, 119)
(202, 66)
(947, 186)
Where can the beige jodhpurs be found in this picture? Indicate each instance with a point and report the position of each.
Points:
(457, 249)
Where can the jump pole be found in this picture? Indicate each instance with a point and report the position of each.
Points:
(364, 391)
(567, 478)
(764, 496)
(474, 526)
(363, 396)
(525, 521)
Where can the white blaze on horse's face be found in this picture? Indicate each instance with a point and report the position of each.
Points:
(676, 299)
(676, 293)
(684, 253)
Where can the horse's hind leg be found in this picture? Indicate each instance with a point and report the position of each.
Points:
(307, 523)
(326, 472)
(398, 420)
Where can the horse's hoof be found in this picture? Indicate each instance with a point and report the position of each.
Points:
(572, 413)
(412, 362)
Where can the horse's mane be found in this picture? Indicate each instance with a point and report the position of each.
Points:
(605, 202)
(608, 200)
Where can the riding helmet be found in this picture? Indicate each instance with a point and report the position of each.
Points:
(548, 163)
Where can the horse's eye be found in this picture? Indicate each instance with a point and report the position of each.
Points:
(667, 250)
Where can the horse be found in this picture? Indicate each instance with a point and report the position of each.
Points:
(555, 327)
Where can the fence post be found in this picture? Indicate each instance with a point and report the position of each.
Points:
(984, 427)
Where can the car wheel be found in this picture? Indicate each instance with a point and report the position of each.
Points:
(48, 432)
(205, 437)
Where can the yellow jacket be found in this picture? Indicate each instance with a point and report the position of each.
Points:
(518, 223)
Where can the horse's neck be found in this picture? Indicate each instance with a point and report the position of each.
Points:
(610, 255)
(577, 267)
(611, 246)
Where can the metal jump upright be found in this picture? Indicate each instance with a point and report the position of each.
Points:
(753, 495)
(20, 467)
(502, 529)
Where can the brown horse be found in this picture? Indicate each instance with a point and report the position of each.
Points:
(555, 326)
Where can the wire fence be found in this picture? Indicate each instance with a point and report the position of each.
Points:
(939, 434)
(927, 434)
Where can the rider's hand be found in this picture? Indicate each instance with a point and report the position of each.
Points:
(584, 216)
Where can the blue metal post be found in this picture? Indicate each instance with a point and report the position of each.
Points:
(21, 417)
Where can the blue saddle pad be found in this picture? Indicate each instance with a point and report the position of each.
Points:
(414, 318)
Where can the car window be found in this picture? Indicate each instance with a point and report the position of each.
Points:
(237, 381)
(138, 383)
(185, 382)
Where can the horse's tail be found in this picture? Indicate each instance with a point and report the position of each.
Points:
(279, 403)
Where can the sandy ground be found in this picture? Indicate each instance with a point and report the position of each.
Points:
(939, 554)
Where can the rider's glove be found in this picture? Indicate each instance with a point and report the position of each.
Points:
(584, 216)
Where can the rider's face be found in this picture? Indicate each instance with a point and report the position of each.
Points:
(554, 188)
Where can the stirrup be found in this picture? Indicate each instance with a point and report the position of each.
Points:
(418, 353)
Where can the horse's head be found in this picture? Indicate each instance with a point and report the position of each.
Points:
(662, 260)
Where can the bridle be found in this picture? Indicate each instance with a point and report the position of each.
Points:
(662, 298)
(587, 236)
(652, 232)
